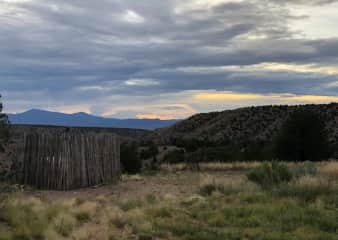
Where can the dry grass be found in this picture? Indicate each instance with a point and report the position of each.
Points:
(310, 181)
(224, 205)
(207, 179)
(87, 232)
(85, 211)
(64, 224)
(329, 169)
(136, 177)
(235, 166)
(173, 167)
(215, 166)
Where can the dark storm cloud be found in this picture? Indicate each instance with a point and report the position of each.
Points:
(79, 50)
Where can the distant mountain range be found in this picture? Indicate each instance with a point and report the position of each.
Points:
(42, 117)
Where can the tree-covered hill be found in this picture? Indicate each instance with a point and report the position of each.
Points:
(249, 124)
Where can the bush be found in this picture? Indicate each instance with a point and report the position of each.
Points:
(130, 204)
(191, 145)
(303, 138)
(224, 153)
(130, 160)
(64, 224)
(306, 193)
(23, 222)
(268, 175)
(150, 150)
(145, 237)
(305, 169)
(176, 156)
(210, 188)
(119, 222)
(4, 132)
(160, 212)
(82, 217)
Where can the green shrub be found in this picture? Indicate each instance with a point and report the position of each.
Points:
(23, 222)
(208, 189)
(175, 156)
(82, 217)
(150, 150)
(305, 169)
(151, 199)
(160, 212)
(270, 174)
(64, 224)
(5, 235)
(4, 131)
(303, 137)
(145, 237)
(306, 193)
(119, 222)
(130, 204)
(130, 160)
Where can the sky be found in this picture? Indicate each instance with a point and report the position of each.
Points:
(166, 59)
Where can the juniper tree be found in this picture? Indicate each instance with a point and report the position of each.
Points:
(130, 159)
(303, 137)
(4, 133)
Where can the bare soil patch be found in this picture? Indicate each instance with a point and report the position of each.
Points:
(179, 184)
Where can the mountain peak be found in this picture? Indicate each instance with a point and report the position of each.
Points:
(82, 114)
(33, 110)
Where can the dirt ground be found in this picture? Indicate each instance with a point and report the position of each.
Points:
(179, 185)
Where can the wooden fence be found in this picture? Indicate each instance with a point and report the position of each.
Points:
(68, 160)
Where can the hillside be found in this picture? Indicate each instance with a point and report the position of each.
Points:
(245, 124)
(123, 133)
(41, 117)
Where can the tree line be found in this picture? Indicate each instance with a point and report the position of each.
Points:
(302, 137)
(4, 131)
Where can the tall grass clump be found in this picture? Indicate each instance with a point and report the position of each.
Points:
(208, 189)
(310, 189)
(305, 169)
(306, 193)
(130, 204)
(225, 189)
(23, 222)
(329, 170)
(270, 174)
(210, 185)
(84, 211)
(64, 224)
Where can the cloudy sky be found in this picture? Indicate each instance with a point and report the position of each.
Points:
(166, 58)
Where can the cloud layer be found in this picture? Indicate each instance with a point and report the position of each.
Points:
(127, 58)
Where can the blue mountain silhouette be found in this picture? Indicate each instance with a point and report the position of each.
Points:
(42, 117)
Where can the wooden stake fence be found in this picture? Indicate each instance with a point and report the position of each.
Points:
(69, 160)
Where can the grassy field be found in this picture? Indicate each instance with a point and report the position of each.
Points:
(174, 203)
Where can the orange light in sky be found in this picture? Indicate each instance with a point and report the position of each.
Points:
(229, 96)
(154, 116)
